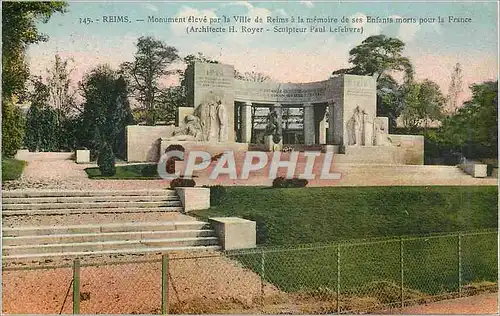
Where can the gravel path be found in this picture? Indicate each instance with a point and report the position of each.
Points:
(479, 304)
(67, 175)
(195, 284)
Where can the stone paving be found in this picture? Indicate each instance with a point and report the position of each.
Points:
(53, 174)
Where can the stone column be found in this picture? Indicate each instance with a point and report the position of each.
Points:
(320, 121)
(279, 113)
(309, 124)
(246, 122)
(331, 127)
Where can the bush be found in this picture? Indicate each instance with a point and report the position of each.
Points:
(12, 128)
(216, 157)
(175, 147)
(150, 170)
(217, 194)
(282, 182)
(182, 182)
(106, 161)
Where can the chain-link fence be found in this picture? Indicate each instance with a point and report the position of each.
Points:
(350, 276)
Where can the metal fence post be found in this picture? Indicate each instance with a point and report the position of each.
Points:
(262, 276)
(401, 264)
(164, 284)
(459, 250)
(338, 278)
(76, 286)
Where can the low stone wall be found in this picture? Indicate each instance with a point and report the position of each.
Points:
(372, 155)
(143, 142)
(24, 154)
(413, 146)
(474, 168)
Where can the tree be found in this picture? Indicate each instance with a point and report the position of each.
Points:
(42, 128)
(456, 87)
(473, 130)
(375, 56)
(106, 110)
(252, 76)
(378, 56)
(422, 102)
(18, 31)
(150, 65)
(61, 96)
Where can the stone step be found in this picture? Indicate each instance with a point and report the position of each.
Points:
(124, 251)
(103, 228)
(88, 199)
(95, 237)
(66, 193)
(84, 205)
(91, 210)
(108, 245)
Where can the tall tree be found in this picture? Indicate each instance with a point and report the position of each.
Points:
(151, 64)
(18, 32)
(106, 110)
(455, 89)
(252, 76)
(377, 55)
(422, 103)
(61, 96)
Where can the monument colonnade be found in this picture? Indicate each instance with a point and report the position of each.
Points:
(314, 119)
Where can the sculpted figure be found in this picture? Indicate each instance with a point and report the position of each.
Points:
(354, 128)
(191, 130)
(381, 135)
(213, 119)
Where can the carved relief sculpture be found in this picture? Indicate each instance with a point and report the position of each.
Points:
(381, 135)
(213, 118)
(354, 128)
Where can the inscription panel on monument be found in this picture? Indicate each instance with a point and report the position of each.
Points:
(284, 92)
(215, 81)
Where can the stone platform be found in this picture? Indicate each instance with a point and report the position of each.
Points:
(213, 148)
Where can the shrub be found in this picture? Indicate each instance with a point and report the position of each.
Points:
(217, 194)
(182, 182)
(175, 147)
(12, 129)
(170, 165)
(282, 182)
(216, 157)
(150, 170)
(106, 161)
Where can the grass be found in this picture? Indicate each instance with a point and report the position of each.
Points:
(129, 172)
(332, 214)
(329, 214)
(12, 168)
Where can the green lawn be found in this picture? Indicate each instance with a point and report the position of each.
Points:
(138, 172)
(12, 168)
(328, 215)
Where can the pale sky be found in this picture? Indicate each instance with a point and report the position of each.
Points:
(433, 48)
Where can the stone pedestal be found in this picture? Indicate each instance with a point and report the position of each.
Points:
(194, 199)
(234, 232)
(475, 169)
(309, 130)
(246, 122)
(83, 156)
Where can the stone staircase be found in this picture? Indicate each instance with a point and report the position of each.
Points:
(98, 223)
